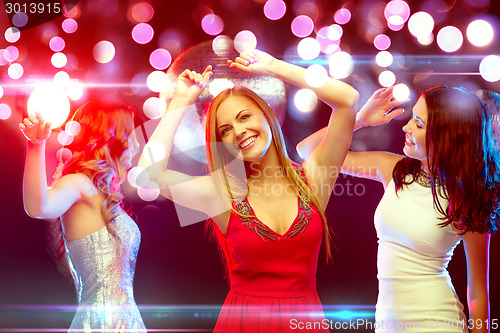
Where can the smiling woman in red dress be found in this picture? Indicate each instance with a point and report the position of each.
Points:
(270, 224)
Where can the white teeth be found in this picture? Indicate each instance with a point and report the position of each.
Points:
(247, 142)
(408, 141)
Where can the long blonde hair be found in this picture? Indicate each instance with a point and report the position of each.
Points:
(218, 159)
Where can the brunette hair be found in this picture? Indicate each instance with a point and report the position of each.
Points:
(462, 164)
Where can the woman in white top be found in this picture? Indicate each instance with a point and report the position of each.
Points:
(445, 190)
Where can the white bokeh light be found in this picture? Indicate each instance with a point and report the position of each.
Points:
(152, 108)
(218, 85)
(158, 81)
(150, 192)
(489, 68)
(387, 78)
(341, 65)
(305, 100)
(51, 103)
(308, 48)
(104, 51)
(245, 41)
(154, 151)
(450, 39)
(401, 92)
(480, 33)
(421, 24)
(384, 58)
(316, 75)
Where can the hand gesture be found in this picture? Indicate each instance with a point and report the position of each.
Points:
(376, 110)
(35, 129)
(253, 63)
(191, 84)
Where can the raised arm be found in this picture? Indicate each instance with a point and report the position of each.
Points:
(380, 109)
(477, 247)
(39, 200)
(323, 164)
(197, 193)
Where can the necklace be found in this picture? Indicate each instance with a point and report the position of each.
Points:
(423, 179)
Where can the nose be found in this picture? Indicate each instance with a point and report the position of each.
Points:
(406, 128)
(239, 132)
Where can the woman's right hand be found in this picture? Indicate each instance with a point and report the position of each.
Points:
(35, 129)
(376, 110)
(191, 84)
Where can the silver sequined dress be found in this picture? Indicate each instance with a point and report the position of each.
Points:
(103, 268)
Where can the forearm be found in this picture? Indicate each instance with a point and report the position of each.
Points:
(164, 134)
(334, 92)
(479, 314)
(35, 180)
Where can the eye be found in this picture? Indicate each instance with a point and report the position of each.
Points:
(245, 117)
(224, 131)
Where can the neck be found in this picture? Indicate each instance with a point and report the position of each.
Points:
(267, 168)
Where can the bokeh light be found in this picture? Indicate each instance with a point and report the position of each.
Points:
(341, 65)
(401, 92)
(142, 12)
(449, 39)
(221, 44)
(382, 42)
(302, 26)
(480, 33)
(142, 33)
(387, 78)
(152, 108)
(421, 25)
(150, 192)
(63, 154)
(274, 9)
(158, 81)
(136, 172)
(384, 58)
(160, 59)
(154, 151)
(69, 25)
(15, 71)
(305, 100)
(397, 8)
(104, 51)
(11, 53)
(12, 34)
(245, 41)
(57, 44)
(395, 23)
(75, 90)
(5, 111)
(62, 79)
(316, 75)
(59, 60)
(489, 68)
(212, 24)
(51, 103)
(342, 16)
(426, 40)
(3, 61)
(72, 127)
(327, 45)
(64, 138)
(20, 19)
(308, 48)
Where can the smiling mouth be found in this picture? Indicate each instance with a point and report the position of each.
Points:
(247, 142)
(408, 142)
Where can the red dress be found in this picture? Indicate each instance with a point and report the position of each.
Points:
(272, 276)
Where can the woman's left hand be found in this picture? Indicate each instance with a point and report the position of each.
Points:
(253, 63)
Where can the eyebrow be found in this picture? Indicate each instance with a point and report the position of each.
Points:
(218, 128)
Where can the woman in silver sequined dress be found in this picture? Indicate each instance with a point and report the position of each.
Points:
(100, 241)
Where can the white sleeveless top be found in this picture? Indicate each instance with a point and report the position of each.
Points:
(415, 289)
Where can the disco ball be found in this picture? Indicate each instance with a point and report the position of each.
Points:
(190, 136)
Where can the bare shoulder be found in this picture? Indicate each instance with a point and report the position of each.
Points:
(77, 181)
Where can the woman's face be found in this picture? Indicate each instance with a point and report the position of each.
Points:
(241, 123)
(415, 130)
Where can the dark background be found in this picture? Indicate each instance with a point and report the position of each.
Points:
(180, 281)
